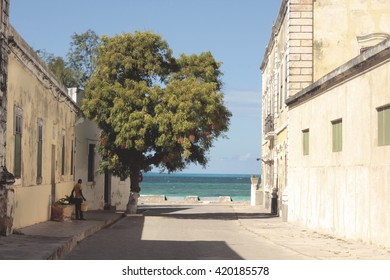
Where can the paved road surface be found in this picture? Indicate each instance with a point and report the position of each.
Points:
(203, 232)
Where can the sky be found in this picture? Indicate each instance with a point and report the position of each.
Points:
(235, 31)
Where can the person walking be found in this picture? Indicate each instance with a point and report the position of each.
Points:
(79, 197)
(274, 201)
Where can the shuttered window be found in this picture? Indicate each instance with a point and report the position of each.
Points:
(39, 154)
(18, 143)
(384, 126)
(337, 136)
(63, 154)
(305, 141)
(72, 159)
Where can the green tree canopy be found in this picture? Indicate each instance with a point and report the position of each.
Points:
(154, 109)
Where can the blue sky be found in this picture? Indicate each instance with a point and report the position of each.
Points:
(235, 31)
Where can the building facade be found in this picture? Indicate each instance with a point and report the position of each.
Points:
(45, 143)
(339, 150)
(40, 134)
(306, 44)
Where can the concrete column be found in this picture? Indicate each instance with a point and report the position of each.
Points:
(254, 182)
(253, 194)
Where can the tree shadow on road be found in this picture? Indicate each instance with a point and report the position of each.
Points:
(180, 213)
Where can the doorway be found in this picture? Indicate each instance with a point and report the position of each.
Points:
(107, 190)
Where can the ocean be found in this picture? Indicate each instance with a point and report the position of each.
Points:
(207, 186)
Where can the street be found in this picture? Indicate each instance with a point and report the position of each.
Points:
(214, 232)
(181, 232)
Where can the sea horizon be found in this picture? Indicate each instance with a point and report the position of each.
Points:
(207, 186)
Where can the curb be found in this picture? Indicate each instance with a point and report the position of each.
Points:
(72, 242)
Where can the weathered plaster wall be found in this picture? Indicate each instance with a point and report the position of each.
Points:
(337, 26)
(30, 88)
(4, 11)
(343, 193)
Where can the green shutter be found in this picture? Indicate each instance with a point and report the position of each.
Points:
(39, 157)
(337, 136)
(18, 156)
(387, 126)
(71, 159)
(39, 167)
(305, 141)
(384, 126)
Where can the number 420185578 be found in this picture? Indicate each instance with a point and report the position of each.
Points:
(258, 270)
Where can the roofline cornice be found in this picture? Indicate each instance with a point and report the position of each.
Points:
(275, 31)
(30, 59)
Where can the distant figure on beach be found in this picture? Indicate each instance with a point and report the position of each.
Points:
(79, 197)
(274, 201)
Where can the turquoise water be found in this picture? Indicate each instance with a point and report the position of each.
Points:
(206, 186)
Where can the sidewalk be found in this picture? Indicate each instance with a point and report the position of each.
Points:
(309, 243)
(53, 240)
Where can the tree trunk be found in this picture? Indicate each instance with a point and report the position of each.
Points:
(134, 193)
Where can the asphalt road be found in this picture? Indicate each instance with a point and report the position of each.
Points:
(207, 232)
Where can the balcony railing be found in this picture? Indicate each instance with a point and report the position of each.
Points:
(269, 125)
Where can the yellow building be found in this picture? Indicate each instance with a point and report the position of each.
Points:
(309, 39)
(40, 134)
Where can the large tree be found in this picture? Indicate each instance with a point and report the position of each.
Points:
(154, 109)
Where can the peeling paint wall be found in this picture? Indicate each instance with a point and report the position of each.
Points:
(34, 93)
(4, 11)
(6, 193)
(343, 28)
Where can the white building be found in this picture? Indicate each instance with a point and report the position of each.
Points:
(102, 191)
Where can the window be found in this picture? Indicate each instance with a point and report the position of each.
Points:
(337, 136)
(285, 80)
(281, 86)
(305, 140)
(384, 126)
(39, 149)
(18, 142)
(72, 159)
(91, 163)
(63, 154)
